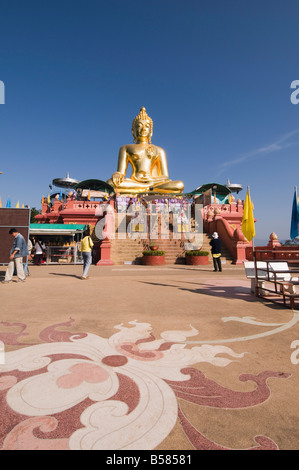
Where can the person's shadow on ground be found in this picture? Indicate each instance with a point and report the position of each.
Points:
(66, 275)
(229, 292)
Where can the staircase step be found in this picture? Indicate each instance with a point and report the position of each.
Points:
(131, 249)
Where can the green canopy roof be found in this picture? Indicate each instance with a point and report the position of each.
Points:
(95, 185)
(216, 187)
(56, 229)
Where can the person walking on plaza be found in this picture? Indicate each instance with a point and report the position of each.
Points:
(25, 265)
(38, 253)
(86, 250)
(18, 251)
(216, 251)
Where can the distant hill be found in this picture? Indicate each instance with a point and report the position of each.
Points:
(293, 242)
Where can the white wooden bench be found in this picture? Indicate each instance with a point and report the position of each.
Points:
(279, 271)
(272, 279)
(250, 273)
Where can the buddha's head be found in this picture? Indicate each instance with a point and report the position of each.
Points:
(142, 127)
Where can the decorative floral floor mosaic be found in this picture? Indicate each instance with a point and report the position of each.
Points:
(83, 391)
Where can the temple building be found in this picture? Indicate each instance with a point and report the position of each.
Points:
(126, 212)
(69, 209)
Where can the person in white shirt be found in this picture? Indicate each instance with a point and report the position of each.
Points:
(38, 253)
(25, 265)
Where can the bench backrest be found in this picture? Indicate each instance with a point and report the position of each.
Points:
(250, 271)
(277, 268)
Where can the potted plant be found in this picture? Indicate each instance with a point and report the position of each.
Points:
(197, 257)
(153, 246)
(153, 257)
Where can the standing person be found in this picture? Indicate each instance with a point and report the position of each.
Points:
(44, 257)
(86, 250)
(18, 251)
(216, 251)
(25, 265)
(38, 253)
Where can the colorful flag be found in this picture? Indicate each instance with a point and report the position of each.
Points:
(248, 227)
(294, 219)
(0, 202)
(18, 205)
(88, 196)
(8, 203)
(48, 200)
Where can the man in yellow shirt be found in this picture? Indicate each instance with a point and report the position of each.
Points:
(86, 250)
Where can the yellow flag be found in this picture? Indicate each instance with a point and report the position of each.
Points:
(0, 202)
(248, 227)
(18, 205)
(88, 196)
(22, 206)
(48, 199)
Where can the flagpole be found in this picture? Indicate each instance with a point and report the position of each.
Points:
(296, 205)
(248, 228)
(296, 202)
(248, 189)
(295, 189)
(294, 217)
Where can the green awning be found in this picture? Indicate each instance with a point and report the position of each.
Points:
(95, 185)
(216, 188)
(56, 229)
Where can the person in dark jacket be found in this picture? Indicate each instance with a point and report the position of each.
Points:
(216, 251)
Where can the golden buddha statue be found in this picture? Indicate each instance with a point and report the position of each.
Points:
(149, 164)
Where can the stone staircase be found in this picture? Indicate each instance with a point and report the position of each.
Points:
(225, 254)
(130, 250)
(174, 250)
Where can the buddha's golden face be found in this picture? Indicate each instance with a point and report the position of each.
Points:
(142, 129)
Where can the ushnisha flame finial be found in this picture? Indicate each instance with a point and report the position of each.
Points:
(142, 116)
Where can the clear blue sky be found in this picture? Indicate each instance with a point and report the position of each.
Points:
(214, 76)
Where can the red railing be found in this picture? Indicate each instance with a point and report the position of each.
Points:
(290, 253)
